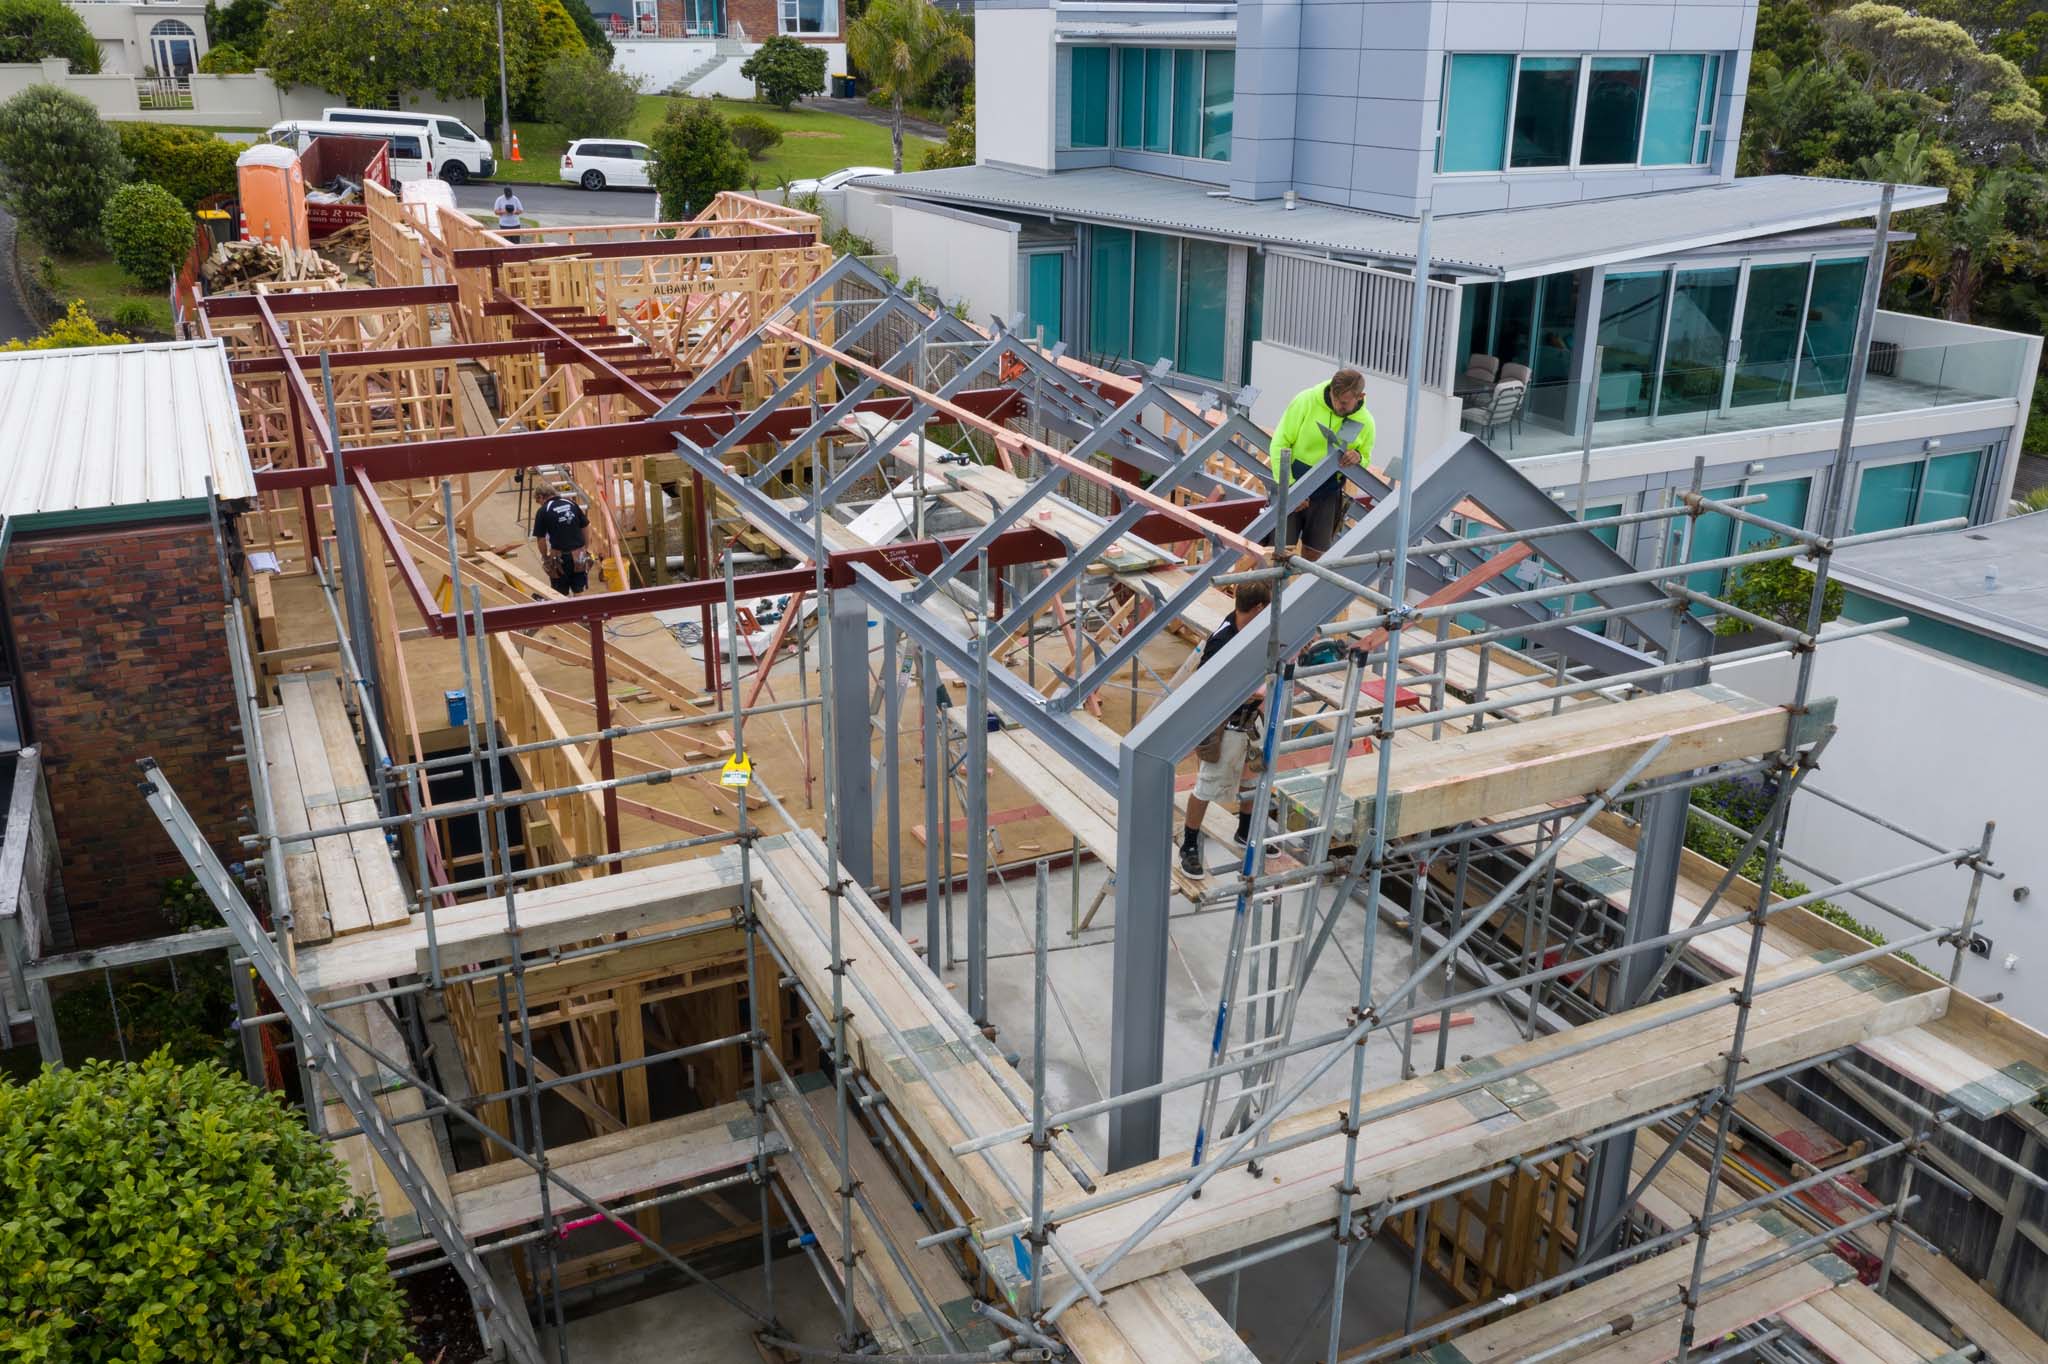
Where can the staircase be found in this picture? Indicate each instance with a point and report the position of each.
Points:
(724, 50)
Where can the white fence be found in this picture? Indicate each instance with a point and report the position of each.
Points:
(1359, 316)
(244, 101)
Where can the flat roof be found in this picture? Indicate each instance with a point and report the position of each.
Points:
(1508, 243)
(1942, 577)
(112, 433)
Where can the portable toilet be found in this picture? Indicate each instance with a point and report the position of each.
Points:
(273, 194)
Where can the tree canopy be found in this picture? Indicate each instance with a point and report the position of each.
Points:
(33, 29)
(900, 45)
(373, 52)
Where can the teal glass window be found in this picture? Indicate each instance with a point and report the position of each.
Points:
(1885, 497)
(1187, 103)
(1088, 98)
(1155, 296)
(1830, 326)
(1784, 502)
(1949, 487)
(1696, 352)
(1130, 97)
(1771, 325)
(1609, 536)
(1546, 107)
(1109, 291)
(1046, 296)
(1614, 111)
(1158, 98)
(1709, 90)
(1204, 289)
(1254, 307)
(1476, 111)
(1219, 90)
(1631, 321)
(1673, 119)
(1713, 537)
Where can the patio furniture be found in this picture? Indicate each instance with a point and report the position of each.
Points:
(1496, 409)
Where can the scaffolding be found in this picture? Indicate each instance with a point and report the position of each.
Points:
(1469, 684)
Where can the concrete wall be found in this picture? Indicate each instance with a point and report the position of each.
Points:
(1937, 747)
(1014, 54)
(1340, 101)
(1280, 372)
(966, 257)
(118, 633)
(663, 64)
(245, 101)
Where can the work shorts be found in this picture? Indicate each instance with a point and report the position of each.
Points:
(1224, 778)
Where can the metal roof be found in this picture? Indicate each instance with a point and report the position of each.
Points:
(1942, 576)
(1512, 243)
(104, 433)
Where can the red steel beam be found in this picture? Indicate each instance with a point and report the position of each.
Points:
(397, 355)
(524, 449)
(329, 301)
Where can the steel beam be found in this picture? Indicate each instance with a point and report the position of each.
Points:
(852, 736)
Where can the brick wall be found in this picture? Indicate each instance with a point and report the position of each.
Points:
(757, 17)
(119, 639)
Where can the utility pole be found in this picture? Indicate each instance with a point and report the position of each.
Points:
(504, 100)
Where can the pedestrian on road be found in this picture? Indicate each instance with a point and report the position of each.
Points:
(508, 208)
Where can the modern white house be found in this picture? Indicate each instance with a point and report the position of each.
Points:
(1959, 694)
(165, 38)
(1238, 189)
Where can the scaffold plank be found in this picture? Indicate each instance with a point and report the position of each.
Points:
(552, 916)
(616, 1168)
(1501, 768)
(1587, 1087)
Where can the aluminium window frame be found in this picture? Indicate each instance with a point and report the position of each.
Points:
(1114, 142)
(1707, 109)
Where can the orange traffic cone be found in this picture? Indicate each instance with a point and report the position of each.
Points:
(515, 146)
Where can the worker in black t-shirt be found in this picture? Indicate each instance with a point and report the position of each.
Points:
(558, 528)
(1224, 754)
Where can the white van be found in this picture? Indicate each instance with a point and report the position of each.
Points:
(461, 152)
(413, 152)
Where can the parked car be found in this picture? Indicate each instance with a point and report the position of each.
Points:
(460, 152)
(838, 179)
(599, 162)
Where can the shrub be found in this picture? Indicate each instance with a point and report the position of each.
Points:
(754, 135)
(147, 232)
(225, 59)
(33, 29)
(2037, 500)
(958, 148)
(585, 97)
(785, 70)
(136, 316)
(189, 162)
(58, 165)
(75, 328)
(160, 1211)
(695, 158)
(239, 23)
(1777, 589)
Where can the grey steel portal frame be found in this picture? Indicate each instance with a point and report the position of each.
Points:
(1140, 770)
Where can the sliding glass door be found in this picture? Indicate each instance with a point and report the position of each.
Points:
(1631, 331)
(1696, 349)
(1772, 314)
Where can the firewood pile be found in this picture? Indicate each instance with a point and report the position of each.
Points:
(236, 266)
(350, 249)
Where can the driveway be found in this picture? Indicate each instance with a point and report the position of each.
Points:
(868, 113)
(14, 323)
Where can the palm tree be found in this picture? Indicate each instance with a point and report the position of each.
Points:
(901, 45)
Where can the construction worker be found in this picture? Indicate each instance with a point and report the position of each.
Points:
(558, 537)
(1301, 436)
(1224, 754)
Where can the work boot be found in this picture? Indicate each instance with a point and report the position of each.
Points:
(1244, 828)
(1191, 853)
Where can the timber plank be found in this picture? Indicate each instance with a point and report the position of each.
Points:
(552, 916)
(1549, 1102)
(310, 923)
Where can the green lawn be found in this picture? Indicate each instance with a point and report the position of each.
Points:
(814, 142)
(102, 284)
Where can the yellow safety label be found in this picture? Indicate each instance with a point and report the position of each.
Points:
(739, 771)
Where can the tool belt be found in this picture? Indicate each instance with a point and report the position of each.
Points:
(1246, 720)
(562, 562)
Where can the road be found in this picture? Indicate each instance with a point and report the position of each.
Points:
(550, 205)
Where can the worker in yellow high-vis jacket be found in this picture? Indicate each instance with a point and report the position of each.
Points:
(1302, 437)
